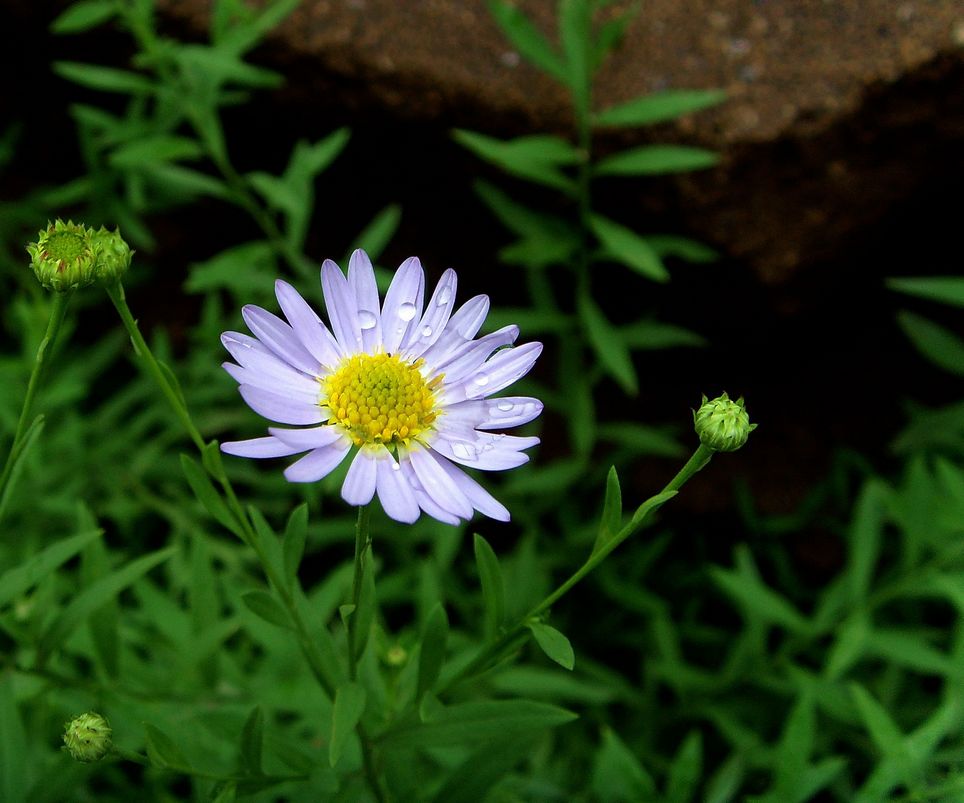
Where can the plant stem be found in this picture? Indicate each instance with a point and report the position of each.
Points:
(497, 648)
(361, 545)
(57, 312)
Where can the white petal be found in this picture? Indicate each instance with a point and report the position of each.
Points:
(279, 338)
(469, 357)
(279, 408)
(424, 500)
(437, 484)
(361, 280)
(394, 491)
(462, 327)
(302, 440)
(340, 303)
(247, 340)
(436, 316)
(504, 368)
(403, 304)
(318, 463)
(481, 499)
(501, 413)
(258, 447)
(359, 486)
(272, 370)
(307, 326)
(480, 454)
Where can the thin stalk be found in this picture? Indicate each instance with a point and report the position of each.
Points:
(497, 649)
(54, 323)
(361, 545)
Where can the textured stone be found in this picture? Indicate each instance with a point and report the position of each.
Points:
(836, 109)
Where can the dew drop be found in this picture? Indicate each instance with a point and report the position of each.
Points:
(505, 406)
(480, 379)
(395, 466)
(464, 451)
(444, 296)
(367, 319)
(406, 311)
(426, 331)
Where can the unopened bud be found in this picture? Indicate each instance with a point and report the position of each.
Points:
(69, 256)
(88, 737)
(722, 424)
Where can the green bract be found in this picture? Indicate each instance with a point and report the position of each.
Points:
(88, 737)
(722, 424)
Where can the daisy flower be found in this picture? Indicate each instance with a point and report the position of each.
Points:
(407, 390)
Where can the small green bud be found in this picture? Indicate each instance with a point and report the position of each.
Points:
(396, 655)
(87, 737)
(113, 255)
(723, 424)
(69, 256)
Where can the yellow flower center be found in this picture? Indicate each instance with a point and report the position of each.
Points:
(380, 398)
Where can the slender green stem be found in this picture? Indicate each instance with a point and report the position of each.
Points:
(57, 311)
(361, 546)
(498, 648)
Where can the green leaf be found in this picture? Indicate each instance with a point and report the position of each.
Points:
(280, 194)
(650, 160)
(759, 602)
(364, 614)
(907, 648)
(617, 774)
(796, 743)
(94, 596)
(163, 752)
(218, 66)
(945, 289)
(293, 546)
(179, 180)
(14, 763)
(263, 605)
(252, 741)
(244, 35)
(628, 248)
(651, 505)
(376, 236)
(432, 654)
(476, 723)
(611, 521)
(84, 15)
(881, 728)
(527, 39)
(554, 644)
(605, 340)
(642, 439)
(865, 536)
(30, 438)
(106, 79)
(159, 148)
(103, 622)
(658, 107)
(485, 767)
(243, 269)
(686, 770)
(493, 586)
(655, 335)
(575, 29)
(348, 709)
(723, 785)
(207, 495)
(19, 579)
(669, 245)
(937, 344)
(535, 158)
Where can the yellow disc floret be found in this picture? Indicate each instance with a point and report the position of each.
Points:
(380, 398)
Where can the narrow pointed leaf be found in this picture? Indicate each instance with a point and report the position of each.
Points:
(163, 752)
(945, 289)
(659, 107)
(493, 586)
(293, 547)
(84, 15)
(364, 614)
(20, 579)
(207, 495)
(605, 340)
(651, 160)
(348, 709)
(432, 654)
(630, 249)
(612, 515)
(265, 606)
(527, 39)
(252, 740)
(554, 644)
(939, 345)
(686, 770)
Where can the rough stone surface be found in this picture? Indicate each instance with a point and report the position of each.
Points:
(836, 108)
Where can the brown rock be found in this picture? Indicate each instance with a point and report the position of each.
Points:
(837, 108)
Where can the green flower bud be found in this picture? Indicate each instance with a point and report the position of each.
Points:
(69, 256)
(113, 255)
(722, 424)
(87, 737)
(63, 257)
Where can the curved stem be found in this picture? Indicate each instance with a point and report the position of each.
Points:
(57, 313)
(498, 648)
(361, 545)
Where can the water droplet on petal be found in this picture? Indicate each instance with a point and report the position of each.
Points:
(367, 319)
(505, 406)
(464, 451)
(395, 466)
(426, 331)
(406, 311)
(444, 296)
(480, 379)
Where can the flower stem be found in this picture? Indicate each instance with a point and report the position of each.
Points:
(57, 312)
(511, 637)
(361, 545)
